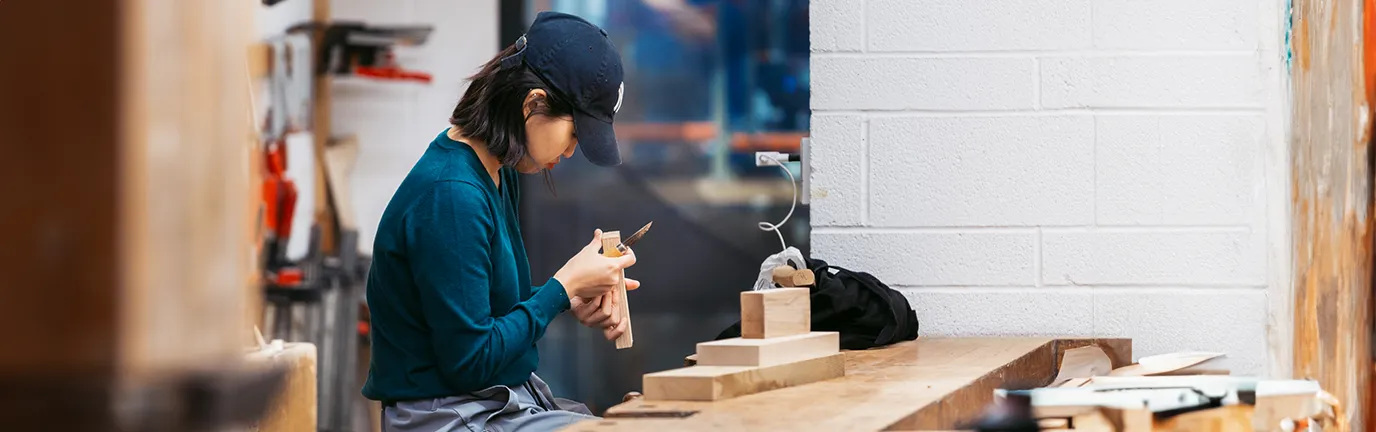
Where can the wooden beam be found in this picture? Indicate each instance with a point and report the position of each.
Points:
(322, 101)
(1331, 196)
(610, 240)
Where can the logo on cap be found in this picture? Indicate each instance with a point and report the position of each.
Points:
(620, 91)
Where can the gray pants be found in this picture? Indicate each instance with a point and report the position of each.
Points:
(527, 407)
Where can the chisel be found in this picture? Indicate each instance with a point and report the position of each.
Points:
(626, 244)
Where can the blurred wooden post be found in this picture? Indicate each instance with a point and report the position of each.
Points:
(1332, 174)
(59, 177)
(125, 178)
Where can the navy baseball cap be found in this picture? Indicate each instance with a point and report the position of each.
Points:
(575, 58)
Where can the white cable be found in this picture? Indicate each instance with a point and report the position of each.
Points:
(766, 226)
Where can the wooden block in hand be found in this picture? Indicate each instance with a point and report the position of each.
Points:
(768, 352)
(610, 239)
(709, 383)
(775, 312)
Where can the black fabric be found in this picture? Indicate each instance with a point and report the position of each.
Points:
(864, 310)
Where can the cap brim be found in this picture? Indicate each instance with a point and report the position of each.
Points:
(597, 139)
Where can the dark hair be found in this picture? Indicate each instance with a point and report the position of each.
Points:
(492, 109)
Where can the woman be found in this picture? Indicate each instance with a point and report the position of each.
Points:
(455, 317)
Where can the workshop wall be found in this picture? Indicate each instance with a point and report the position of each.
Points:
(1040, 167)
(394, 121)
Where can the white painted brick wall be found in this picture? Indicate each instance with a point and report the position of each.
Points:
(985, 25)
(954, 171)
(1150, 81)
(1056, 167)
(903, 83)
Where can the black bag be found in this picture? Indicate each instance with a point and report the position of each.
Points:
(866, 312)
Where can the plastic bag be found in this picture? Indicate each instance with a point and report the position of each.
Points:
(789, 257)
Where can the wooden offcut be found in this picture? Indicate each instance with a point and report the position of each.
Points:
(293, 408)
(768, 352)
(783, 275)
(775, 313)
(1165, 364)
(709, 383)
(788, 277)
(610, 240)
(1082, 363)
(340, 156)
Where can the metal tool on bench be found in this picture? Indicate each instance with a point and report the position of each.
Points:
(355, 48)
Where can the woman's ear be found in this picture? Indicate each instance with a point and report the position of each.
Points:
(533, 98)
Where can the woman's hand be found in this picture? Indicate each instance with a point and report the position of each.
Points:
(602, 313)
(589, 274)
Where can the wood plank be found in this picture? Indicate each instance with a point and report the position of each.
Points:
(1163, 364)
(610, 239)
(768, 352)
(775, 312)
(710, 383)
(882, 389)
(1331, 189)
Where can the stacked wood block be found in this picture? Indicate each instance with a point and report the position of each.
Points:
(777, 349)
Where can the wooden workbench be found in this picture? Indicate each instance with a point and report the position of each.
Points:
(925, 384)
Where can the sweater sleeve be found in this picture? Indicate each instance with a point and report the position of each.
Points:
(450, 233)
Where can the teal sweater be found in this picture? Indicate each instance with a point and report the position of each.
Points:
(453, 310)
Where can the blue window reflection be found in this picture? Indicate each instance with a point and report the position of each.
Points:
(708, 83)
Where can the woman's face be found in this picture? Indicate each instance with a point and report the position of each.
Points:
(548, 140)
